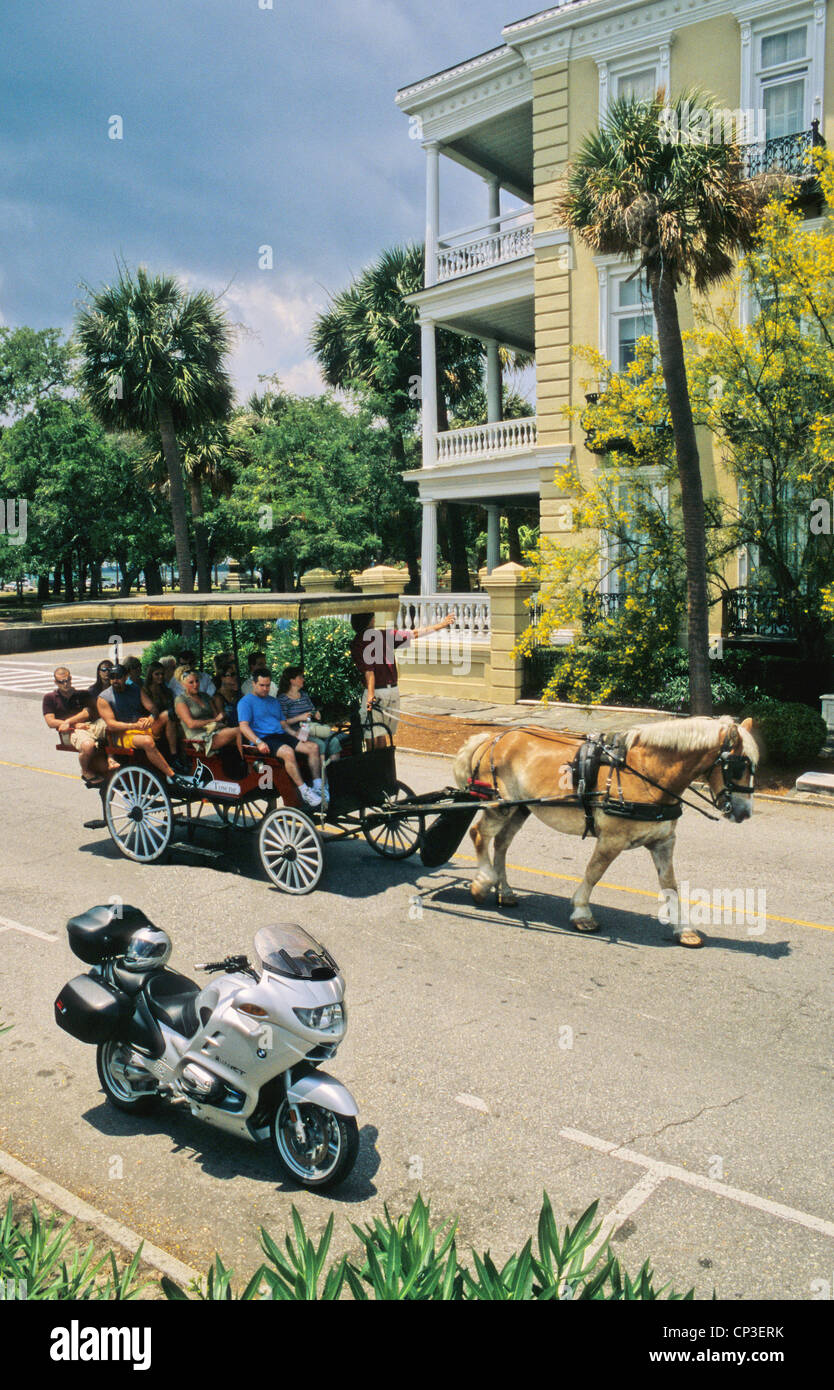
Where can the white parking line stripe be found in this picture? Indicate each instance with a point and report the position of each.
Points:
(6, 924)
(628, 1204)
(82, 1211)
(720, 1189)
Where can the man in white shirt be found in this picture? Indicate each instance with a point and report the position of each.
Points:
(206, 684)
(256, 661)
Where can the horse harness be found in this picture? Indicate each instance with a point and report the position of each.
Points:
(596, 752)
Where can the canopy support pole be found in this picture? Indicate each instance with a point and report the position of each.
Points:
(300, 640)
(234, 641)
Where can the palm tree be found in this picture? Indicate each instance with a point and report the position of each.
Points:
(210, 457)
(683, 210)
(154, 360)
(368, 340)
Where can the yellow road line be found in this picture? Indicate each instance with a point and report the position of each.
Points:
(49, 772)
(637, 892)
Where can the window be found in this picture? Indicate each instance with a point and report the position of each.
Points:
(641, 84)
(619, 556)
(631, 317)
(783, 71)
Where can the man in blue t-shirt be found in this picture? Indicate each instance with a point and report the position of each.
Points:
(260, 718)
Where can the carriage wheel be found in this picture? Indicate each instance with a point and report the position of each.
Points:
(247, 815)
(291, 851)
(137, 808)
(398, 837)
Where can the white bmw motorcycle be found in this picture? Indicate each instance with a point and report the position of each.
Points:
(244, 1052)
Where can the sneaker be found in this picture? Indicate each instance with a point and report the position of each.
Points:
(309, 795)
(317, 785)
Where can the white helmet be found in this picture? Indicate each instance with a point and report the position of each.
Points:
(148, 949)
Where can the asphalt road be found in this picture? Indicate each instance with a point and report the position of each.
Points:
(494, 1054)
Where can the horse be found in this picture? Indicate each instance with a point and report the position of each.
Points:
(661, 762)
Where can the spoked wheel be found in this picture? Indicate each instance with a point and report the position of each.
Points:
(329, 1149)
(398, 837)
(126, 1086)
(137, 808)
(291, 850)
(247, 815)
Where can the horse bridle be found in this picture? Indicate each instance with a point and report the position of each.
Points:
(733, 766)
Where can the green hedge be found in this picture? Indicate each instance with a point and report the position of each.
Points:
(790, 733)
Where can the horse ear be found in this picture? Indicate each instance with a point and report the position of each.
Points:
(747, 724)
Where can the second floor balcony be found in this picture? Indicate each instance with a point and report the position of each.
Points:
(497, 241)
(501, 439)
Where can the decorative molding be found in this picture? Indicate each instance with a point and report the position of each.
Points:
(449, 74)
(559, 237)
(603, 29)
(657, 54)
(758, 17)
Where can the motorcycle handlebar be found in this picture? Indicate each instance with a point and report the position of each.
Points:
(230, 963)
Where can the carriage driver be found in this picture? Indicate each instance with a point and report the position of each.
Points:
(373, 651)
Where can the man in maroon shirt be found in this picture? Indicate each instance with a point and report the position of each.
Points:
(373, 651)
(68, 712)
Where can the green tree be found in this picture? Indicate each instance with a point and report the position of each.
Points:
(154, 360)
(34, 366)
(682, 210)
(368, 342)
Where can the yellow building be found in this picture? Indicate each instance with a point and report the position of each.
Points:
(513, 117)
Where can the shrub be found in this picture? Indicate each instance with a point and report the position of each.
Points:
(791, 733)
(37, 1261)
(408, 1259)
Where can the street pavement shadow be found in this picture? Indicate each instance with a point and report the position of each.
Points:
(549, 914)
(225, 1157)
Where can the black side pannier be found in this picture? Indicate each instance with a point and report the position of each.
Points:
(92, 1011)
(104, 932)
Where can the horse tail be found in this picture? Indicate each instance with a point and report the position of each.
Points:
(464, 760)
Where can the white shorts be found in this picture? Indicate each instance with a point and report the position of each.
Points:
(385, 718)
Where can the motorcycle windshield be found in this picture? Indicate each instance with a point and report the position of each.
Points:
(288, 950)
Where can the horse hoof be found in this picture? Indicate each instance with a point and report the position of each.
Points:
(585, 924)
(507, 900)
(689, 938)
(480, 894)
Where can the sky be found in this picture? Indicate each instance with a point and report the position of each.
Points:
(242, 127)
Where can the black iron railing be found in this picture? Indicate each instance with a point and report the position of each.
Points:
(787, 154)
(596, 607)
(758, 613)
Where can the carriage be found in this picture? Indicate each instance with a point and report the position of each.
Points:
(143, 813)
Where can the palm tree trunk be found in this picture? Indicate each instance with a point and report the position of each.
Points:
(179, 516)
(673, 364)
(200, 544)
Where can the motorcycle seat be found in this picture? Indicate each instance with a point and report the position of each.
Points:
(173, 1001)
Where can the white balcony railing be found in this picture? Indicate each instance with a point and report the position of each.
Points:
(494, 242)
(487, 441)
(471, 612)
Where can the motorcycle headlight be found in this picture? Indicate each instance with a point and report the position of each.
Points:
(328, 1018)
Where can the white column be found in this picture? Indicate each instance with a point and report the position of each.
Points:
(432, 209)
(494, 199)
(493, 555)
(428, 558)
(428, 386)
(493, 382)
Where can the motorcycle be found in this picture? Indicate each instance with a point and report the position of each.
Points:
(244, 1052)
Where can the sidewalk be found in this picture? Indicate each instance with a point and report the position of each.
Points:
(575, 719)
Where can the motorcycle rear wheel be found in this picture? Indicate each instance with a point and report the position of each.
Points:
(330, 1152)
(121, 1089)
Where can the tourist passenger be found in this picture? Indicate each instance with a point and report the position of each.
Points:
(256, 661)
(299, 710)
(226, 697)
(162, 701)
(128, 713)
(67, 711)
(188, 662)
(261, 722)
(199, 721)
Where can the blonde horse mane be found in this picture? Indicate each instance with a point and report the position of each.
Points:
(691, 735)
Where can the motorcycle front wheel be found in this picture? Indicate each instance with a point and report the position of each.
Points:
(125, 1085)
(328, 1153)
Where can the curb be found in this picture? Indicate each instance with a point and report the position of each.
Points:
(74, 1206)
